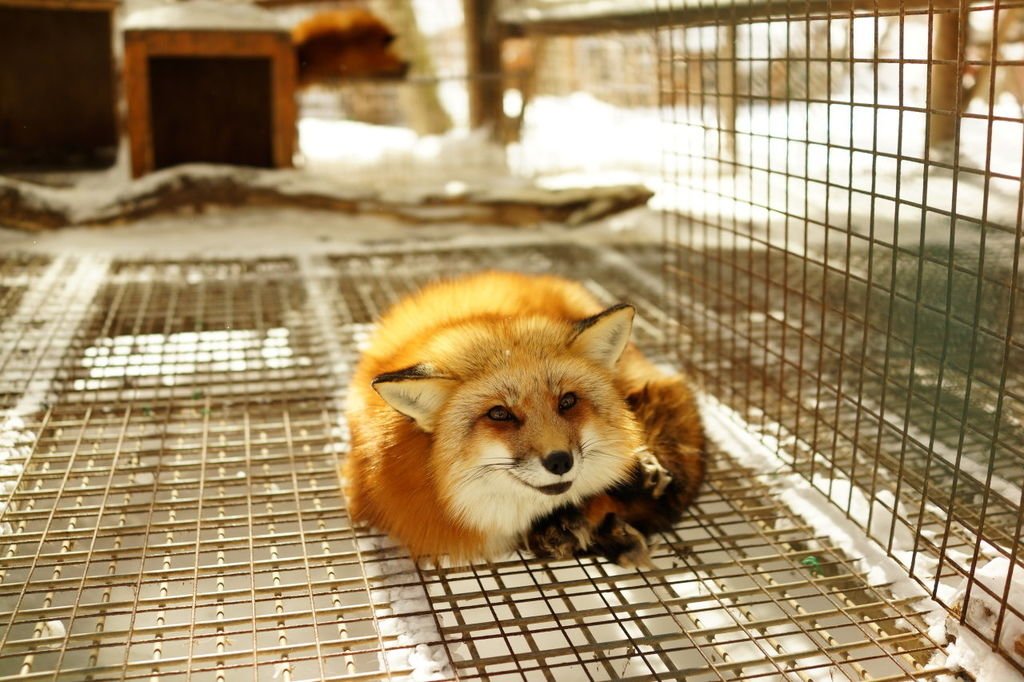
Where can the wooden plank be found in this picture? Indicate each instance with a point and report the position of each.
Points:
(136, 80)
(285, 107)
(213, 43)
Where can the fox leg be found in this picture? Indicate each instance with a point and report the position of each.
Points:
(672, 465)
(598, 526)
(561, 534)
(569, 531)
(654, 477)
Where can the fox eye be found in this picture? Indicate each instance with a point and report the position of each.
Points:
(388, 38)
(566, 402)
(500, 414)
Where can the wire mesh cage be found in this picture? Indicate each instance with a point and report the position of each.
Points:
(848, 233)
(835, 264)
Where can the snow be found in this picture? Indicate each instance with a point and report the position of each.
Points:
(558, 9)
(974, 468)
(255, 232)
(406, 616)
(391, 158)
(560, 142)
(53, 336)
(822, 162)
(53, 628)
(15, 447)
(205, 186)
(983, 612)
(203, 15)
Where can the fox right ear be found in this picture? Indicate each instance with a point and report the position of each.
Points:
(416, 393)
(603, 337)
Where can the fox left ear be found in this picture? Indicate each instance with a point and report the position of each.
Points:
(603, 337)
(416, 393)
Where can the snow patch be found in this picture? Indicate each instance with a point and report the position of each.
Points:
(16, 444)
(977, 470)
(983, 612)
(407, 614)
(407, 617)
(378, 154)
(203, 14)
(53, 628)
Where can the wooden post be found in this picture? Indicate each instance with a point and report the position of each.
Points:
(136, 83)
(483, 58)
(949, 35)
(284, 75)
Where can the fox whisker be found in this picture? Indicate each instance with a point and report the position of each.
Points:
(479, 471)
(596, 454)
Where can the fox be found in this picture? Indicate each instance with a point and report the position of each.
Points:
(345, 43)
(503, 411)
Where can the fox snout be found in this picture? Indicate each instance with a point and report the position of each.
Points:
(558, 462)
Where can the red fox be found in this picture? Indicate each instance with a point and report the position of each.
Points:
(345, 43)
(501, 410)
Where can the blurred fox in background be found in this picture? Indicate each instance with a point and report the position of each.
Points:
(345, 43)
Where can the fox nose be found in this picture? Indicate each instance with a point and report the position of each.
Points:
(557, 462)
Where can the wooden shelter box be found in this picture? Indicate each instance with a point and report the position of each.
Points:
(57, 89)
(208, 93)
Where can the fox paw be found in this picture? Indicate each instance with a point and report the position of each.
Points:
(560, 534)
(622, 544)
(653, 476)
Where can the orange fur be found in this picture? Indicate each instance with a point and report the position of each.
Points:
(345, 43)
(502, 339)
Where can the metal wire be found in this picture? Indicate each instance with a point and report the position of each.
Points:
(177, 512)
(841, 268)
(848, 241)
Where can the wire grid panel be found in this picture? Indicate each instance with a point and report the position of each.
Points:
(175, 512)
(845, 202)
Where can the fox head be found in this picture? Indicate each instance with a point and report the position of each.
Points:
(523, 413)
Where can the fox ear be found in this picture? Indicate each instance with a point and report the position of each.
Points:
(603, 337)
(416, 393)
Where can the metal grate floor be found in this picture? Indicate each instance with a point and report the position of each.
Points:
(171, 511)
